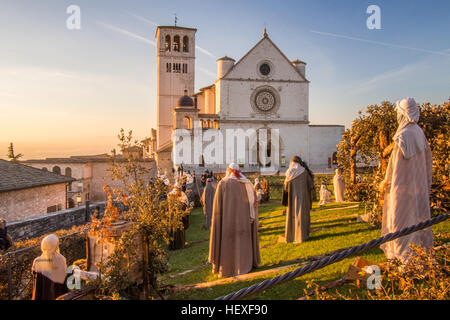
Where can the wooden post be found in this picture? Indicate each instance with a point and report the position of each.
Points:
(145, 271)
(9, 279)
(87, 215)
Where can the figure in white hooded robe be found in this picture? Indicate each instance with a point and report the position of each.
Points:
(324, 195)
(339, 186)
(49, 271)
(407, 184)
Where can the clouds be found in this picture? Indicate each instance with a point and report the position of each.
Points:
(126, 33)
(428, 72)
(444, 53)
(152, 23)
(205, 52)
(207, 72)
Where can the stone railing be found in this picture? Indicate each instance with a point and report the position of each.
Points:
(46, 223)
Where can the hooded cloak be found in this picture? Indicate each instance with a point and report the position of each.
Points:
(299, 186)
(339, 186)
(208, 201)
(234, 243)
(49, 271)
(408, 184)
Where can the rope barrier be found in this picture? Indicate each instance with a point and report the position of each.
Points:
(269, 283)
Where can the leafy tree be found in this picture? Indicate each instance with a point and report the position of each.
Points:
(153, 214)
(369, 140)
(11, 156)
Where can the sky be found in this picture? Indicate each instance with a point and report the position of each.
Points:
(68, 92)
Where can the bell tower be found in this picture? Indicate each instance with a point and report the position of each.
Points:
(175, 73)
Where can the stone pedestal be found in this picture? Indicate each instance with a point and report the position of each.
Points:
(98, 250)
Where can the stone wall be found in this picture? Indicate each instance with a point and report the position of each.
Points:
(323, 141)
(101, 176)
(42, 224)
(93, 175)
(25, 203)
(82, 172)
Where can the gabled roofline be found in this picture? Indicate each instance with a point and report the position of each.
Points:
(276, 47)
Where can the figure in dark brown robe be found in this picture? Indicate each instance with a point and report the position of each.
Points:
(299, 185)
(208, 201)
(5, 240)
(49, 271)
(234, 243)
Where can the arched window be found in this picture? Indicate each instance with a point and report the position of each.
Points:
(202, 122)
(334, 158)
(68, 172)
(216, 124)
(176, 43)
(187, 123)
(208, 123)
(56, 170)
(44, 169)
(168, 43)
(185, 44)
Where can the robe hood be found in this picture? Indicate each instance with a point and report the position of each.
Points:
(233, 170)
(51, 263)
(409, 136)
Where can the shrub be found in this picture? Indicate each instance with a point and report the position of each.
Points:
(425, 276)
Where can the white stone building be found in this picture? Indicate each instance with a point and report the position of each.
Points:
(264, 94)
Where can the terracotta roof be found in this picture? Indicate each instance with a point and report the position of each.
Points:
(16, 176)
(167, 147)
(226, 58)
(80, 159)
(72, 159)
(208, 87)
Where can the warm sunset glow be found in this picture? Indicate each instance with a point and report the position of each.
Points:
(65, 92)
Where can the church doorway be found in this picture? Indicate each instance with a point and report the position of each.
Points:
(264, 147)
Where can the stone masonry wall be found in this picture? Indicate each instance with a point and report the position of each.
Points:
(21, 204)
(39, 225)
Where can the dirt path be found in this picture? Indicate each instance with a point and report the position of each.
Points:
(232, 279)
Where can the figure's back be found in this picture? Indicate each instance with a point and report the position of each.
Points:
(231, 232)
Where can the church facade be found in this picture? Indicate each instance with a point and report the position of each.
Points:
(256, 113)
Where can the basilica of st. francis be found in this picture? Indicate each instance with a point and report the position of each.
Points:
(261, 99)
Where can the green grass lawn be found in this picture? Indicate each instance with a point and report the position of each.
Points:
(340, 231)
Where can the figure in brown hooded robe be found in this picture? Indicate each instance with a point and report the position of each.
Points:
(234, 243)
